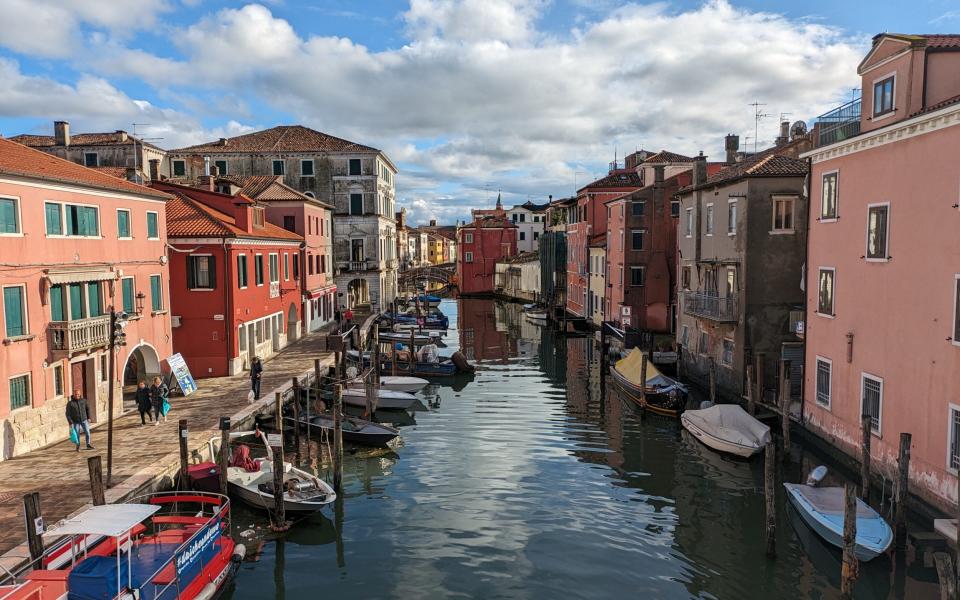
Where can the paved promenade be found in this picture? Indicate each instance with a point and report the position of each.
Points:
(141, 454)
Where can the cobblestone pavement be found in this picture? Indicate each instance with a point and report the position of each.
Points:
(59, 473)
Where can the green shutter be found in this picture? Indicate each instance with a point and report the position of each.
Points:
(191, 272)
(19, 392)
(123, 223)
(76, 301)
(156, 299)
(126, 286)
(93, 299)
(13, 311)
(56, 304)
(54, 218)
(152, 225)
(179, 168)
(8, 216)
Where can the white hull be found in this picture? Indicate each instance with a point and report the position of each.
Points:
(386, 399)
(832, 533)
(245, 486)
(402, 383)
(716, 443)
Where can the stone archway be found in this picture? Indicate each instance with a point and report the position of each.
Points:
(293, 322)
(142, 364)
(358, 292)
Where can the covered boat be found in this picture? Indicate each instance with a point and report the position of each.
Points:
(354, 430)
(386, 399)
(727, 428)
(169, 545)
(396, 383)
(821, 508)
(663, 396)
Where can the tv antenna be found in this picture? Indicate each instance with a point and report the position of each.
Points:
(757, 116)
(134, 139)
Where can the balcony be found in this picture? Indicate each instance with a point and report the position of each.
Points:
(357, 265)
(723, 309)
(839, 124)
(68, 338)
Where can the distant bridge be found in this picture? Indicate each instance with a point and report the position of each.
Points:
(444, 274)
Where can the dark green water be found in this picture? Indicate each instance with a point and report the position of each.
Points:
(534, 480)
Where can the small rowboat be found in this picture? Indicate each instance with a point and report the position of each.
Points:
(396, 383)
(664, 396)
(727, 428)
(354, 430)
(821, 508)
(403, 337)
(386, 399)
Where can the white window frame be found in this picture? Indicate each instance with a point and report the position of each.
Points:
(262, 274)
(732, 223)
(147, 222)
(956, 311)
(468, 238)
(286, 266)
(283, 167)
(246, 271)
(886, 235)
(63, 225)
(643, 239)
(96, 154)
(196, 289)
(163, 296)
(468, 257)
(313, 167)
(643, 270)
(863, 377)
(709, 223)
(18, 208)
(793, 214)
(723, 352)
(893, 97)
(816, 383)
(53, 380)
(951, 408)
(129, 222)
(29, 403)
(173, 167)
(271, 257)
(836, 193)
(24, 310)
(834, 307)
(689, 223)
(134, 280)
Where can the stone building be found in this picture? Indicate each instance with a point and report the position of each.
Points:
(357, 180)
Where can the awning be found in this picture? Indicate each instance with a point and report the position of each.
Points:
(77, 276)
(111, 520)
(312, 294)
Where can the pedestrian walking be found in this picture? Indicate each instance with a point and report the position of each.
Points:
(78, 416)
(348, 317)
(159, 392)
(256, 374)
(142, 396)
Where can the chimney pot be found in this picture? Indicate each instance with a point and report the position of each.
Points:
(215, 171)
(784, 133)
(121, 135)
(433, 222)
(223, 141)
(154, 169)
(206, 182)
(658, 172)
(61, 133)
(732, 146)
(699, 169)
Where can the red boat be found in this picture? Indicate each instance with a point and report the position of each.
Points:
(164, 546)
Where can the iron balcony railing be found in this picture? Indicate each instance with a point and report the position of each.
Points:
(72, 337)
(711, 306)
(839, 124)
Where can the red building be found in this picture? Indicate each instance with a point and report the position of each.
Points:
(480, 245)
(233, 290)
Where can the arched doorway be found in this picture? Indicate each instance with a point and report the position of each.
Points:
(142, 364)
(358, 291)
(292, 322)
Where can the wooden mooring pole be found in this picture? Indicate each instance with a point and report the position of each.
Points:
(751, 403)
(865, 460)
(413, 364)
(183, 435)
(643, 380)
(278, 407)
(849, 569)
(296, 418)
(278, 487)
(769, 494)
(713, 381)
(901, 491)
(337, 439)
(679, 361)
(761, 358)
(33, 520)
(785, 407)
(95, 468)
(224, 459)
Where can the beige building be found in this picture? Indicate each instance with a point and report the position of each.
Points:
(598, 280)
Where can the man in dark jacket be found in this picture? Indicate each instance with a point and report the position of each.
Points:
(256, 373)
(159, 392)
(78, 416)
(142, 396)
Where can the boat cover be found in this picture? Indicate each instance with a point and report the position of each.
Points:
(830, 500)
(730, 423)
(630, 368)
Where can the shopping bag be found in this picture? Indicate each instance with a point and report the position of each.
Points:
(74, 436)
(165, 408)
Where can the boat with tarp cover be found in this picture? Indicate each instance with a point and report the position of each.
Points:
(664, 395)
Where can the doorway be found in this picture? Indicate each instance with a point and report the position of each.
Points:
(83, 377)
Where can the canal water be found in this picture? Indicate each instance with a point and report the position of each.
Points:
(533, 479)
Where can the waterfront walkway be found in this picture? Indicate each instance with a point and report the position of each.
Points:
(141, 455)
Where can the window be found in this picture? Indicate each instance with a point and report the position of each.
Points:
(104, 373)
(258, 216)
(153, 226)
(53, 216)
(468, 238)
(732, 217)
(156, 293)
(306, 167)
(94, 305)
(82, 221)
(828, 197)
(78, 310)
(90, 159)
(15, 311)
(468, 257)
(871, 400)
(278, 167)
(515, 217)
(824, 380)
(523, 217)
(9, 215)
(179, 168)
(19, 391)
(783, 214)
(201, 272)
(354, 166)
(636, 237)
(637, 276)
(688, 229)
(128, 294)
(878, 227)
(290, 222)
(296, 266)
(536, 235)
(58, 386)
(309, 194)
(242, 271)
(356, 204)
(274, 265)
(221, 166)
(953, 459)
(123, 223)
(702, 348)
(638, 209)
(685, 274)
(709, 224)
(258, 269)
(727, 356)
(323, 263)
(523, 235)
(286, 267)
(956, 310)
(684, 335)
(674, 208)
(825, 305)
(310, 264)
(883, 96)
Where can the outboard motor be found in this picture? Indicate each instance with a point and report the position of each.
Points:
(816, 476)
(461, 363)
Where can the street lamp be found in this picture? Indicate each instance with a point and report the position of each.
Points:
(140, 298)
(118, 338)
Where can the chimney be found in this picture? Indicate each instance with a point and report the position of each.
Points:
(732, 145)
(215, 171)
(154, 169)
(131, 175)
(223, 141)
(658, 174)
(205, 182)
(206, 165)
(243, 214)
(121, 135)
(699, 169)
(61, 133)
(784, 133)
(433, 222)
(550, 199)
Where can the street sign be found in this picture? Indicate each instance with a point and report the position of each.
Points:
(182, 373)
(274, 439)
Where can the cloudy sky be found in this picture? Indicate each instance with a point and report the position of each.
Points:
(466, 96)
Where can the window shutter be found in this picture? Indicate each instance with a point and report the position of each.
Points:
(56, 304)
(212, 268)
(13, 311)
(191, 273)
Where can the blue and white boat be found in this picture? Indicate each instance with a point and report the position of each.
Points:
(821, 508)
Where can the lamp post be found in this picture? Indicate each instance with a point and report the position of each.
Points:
(118, 322)
(140, 299)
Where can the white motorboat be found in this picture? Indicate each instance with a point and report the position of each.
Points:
(386, 399)
(537, 316)
(396, 383)
(727, 428)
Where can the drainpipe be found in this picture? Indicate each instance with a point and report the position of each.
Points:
(228, 291)
(806, 289)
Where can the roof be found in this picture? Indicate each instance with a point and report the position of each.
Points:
(930, 40)
(523, 257)
(665, 156)
(769, 165)
(189, 216)
(115, 138)
(681, 179)
(17, 159)
(598, 240)
(266, 188)
(937, 106)
(617, 179)
(120, 172)
(565, 201)
(534, 207)
(489, 223)
(111, 520)
(283, 138)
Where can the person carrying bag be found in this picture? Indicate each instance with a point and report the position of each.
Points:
(159, 400)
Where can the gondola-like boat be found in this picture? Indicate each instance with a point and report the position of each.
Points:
(664, 396)
(167, 545)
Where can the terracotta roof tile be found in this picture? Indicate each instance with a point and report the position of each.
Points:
(768, 165)
(937, 106)
(665, 156)
(81, 139)
(617, 179)
(119, 172)
(17, 159)
(283, 138)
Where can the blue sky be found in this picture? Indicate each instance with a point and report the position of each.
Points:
(466, 96)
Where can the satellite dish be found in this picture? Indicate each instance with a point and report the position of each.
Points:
(797, 129)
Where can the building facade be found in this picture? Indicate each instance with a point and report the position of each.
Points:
(78, 244)
(596, 308)
(530, 220)
(483, 243)
(883, 299)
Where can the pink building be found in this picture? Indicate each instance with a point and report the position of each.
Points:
(481, 244)
(76, 245)
(883, 291)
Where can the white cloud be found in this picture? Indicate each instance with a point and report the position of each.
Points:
(510, 21)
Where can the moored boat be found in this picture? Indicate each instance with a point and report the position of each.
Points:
(659, 394)
(386, 399)
(396, 383)
(354, 430)
(727, 428)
